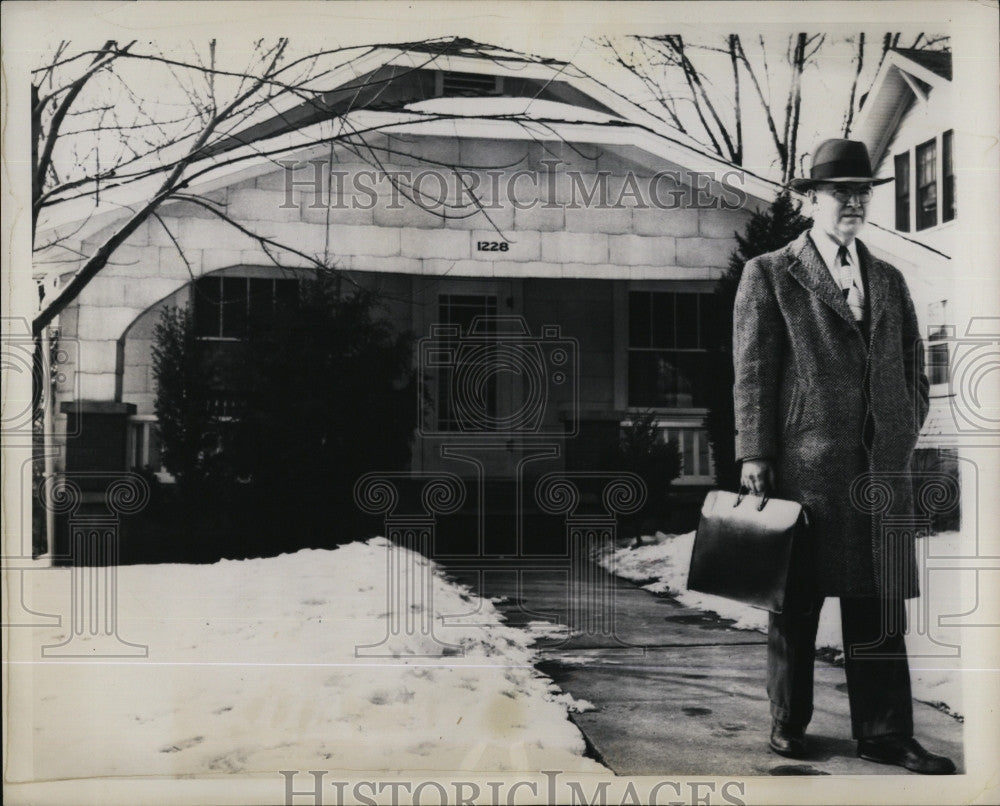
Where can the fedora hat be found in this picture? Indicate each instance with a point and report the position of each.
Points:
(839, 161)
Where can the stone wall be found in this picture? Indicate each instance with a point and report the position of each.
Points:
(373, 227)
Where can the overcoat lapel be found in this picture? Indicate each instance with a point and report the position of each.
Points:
(877, 286)
(808, 268)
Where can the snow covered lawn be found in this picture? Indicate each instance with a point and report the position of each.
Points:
(661, 565)
(252, 668)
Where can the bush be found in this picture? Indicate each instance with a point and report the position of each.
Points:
(641, 449)
(190, 433)
(764, 232)
(317, 394)
(330, 396)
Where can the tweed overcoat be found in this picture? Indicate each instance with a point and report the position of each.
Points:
(837, 412)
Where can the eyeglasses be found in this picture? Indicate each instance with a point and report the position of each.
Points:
(845, 194)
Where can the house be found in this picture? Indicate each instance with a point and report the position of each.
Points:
(906, 120)
(491, 198)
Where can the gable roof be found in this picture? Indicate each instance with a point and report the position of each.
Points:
(391, 77)
(581, 110)
(906, 77)
(557, 101)
(937, 61)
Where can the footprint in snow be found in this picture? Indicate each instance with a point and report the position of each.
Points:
(184, 745)
(385, 697)
(231, 762)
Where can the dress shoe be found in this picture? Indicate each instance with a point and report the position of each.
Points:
(788, 740)
(904, 751)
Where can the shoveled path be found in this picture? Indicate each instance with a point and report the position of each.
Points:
(678, 692)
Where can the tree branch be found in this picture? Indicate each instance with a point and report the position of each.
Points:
(779, 145)
(170, 185)
(737, 102)
(849, 117)
(41, 167)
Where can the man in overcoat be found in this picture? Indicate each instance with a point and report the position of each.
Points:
(830, 395)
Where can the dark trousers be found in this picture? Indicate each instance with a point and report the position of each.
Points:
(878, 675)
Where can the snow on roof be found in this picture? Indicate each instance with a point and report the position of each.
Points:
(312, 141)
(494, 107)
(355, 67)
(491, 117)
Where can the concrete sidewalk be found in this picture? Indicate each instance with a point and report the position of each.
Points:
(676, 691)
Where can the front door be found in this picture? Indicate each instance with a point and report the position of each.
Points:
(482, 370)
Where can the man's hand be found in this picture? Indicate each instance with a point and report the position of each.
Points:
(757, 476)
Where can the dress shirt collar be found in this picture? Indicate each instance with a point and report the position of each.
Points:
(828, 246)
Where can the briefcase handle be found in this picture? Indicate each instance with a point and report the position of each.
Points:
(742, 494)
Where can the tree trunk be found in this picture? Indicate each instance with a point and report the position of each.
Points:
(854, 85)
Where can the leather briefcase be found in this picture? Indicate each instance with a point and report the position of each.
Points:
(743, 548)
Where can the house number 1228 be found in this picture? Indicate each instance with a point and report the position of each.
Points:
(492, 246)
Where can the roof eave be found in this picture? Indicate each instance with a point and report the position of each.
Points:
(252, 164)
(864, 128)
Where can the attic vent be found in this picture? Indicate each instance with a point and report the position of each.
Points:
(453, 83)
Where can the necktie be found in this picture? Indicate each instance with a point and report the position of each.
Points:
(852, 292)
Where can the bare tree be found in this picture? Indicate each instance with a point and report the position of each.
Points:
(859, 65)
(655, 60)
(713, 111)
(93, 132)
(686, 85)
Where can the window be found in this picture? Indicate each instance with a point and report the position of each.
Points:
(927, 195)
(934, 205)
(902, 166)
(669, 332)
(948, 171)
(460, 310)
(226, 309)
